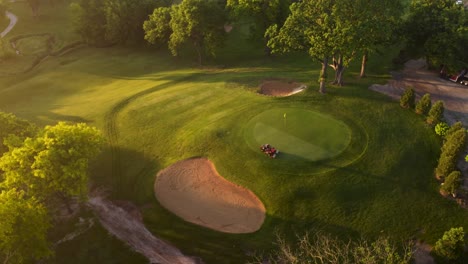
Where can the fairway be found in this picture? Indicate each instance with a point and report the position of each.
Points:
(298, 133)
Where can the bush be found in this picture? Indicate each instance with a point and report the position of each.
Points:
(436, 113)
(424, 105)
(450, 246)
(407, 99)
(454, 128)
(447, 164)
(441, 129)
(453, 146)
(452, 183)
(466, 158)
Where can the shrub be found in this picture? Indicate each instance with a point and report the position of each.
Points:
(447, 164)
(466, 158)
(436, 113)
(450, 246)
(452, 183)
(455, 142)
(407, 99)
(454, 128)
(453, 146)
(424, 105)
(441, 129)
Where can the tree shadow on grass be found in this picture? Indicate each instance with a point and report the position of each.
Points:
(130, 177)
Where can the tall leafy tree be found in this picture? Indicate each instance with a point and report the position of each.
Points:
(263, 14)
(23, 228)
(157, 28)
(89, 21)
(311, 27)
(441, 28)
(199, 22)
(53, 163)
(13, 131)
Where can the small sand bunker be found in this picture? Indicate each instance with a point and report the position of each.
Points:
(281, 87)
(193, 190)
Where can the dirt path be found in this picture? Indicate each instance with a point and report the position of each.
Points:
(13, 20)
(415, 74)
(130, 230)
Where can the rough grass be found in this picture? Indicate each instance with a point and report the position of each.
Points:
(156, 110)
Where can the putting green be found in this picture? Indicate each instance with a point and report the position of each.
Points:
(298, 133)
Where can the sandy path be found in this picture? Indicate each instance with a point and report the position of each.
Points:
(193, 190)
(281, 87)
(415, 74)
(131, 231)
(13, 20)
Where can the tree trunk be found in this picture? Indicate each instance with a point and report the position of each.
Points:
(363, 65)
(339, 69)
(323, 75)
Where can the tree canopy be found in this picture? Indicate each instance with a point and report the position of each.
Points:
(54, 162)
(13, 130)
(23, 228)
(441, 28)
(200, 22)
(113, 21)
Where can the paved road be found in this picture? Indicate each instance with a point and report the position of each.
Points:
(13, 19)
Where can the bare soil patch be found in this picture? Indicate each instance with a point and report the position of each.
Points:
(278, 87)
(193, 190)
(416, 75)
(128, 228)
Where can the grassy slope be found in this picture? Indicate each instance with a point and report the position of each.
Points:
(156, 110)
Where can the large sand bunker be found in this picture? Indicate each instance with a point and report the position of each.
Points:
(281, 87)
(193, 190)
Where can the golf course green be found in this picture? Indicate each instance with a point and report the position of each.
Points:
(352, 162)
(298, 133)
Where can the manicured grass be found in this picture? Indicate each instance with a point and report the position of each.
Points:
(156, 110)
(298, 133)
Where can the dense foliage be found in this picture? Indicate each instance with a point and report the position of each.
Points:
(424, 105)
(408, 98)
(452, 148)
(35, 166)
(441, 129)
(436, 113)
(113, 21)
(451, 245)
(441, 28)
(198, 22)
(452, 183)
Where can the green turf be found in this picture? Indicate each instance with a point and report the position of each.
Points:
(156, 110)
(298, 133)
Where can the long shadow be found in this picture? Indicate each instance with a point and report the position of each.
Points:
(135, 178)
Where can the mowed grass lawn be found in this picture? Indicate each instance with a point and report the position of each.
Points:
(156, 110)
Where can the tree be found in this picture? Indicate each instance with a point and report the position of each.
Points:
(54, 162)
(263, 13)
(89, 21)
(450, 246)
(310, 27)
(13, 130)
(23, 228)
(124, 18)
(200, 22)
(157, 28)
(375, 24)
(441, 28)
